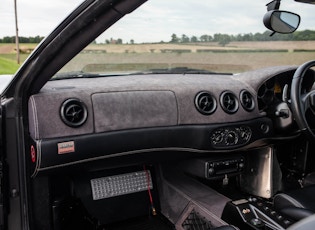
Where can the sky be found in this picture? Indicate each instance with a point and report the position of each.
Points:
(190, 17)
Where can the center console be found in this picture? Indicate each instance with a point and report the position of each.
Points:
(215, 167)
(254, 213)
(255, 173)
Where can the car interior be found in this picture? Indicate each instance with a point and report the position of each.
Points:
(175, 149)
(156, 149)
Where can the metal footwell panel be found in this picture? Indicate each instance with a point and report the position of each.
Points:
(117, 185)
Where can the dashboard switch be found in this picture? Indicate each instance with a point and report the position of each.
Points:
(257, 222)
(264, 128)
(284, 113)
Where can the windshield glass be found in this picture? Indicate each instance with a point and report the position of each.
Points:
(223, 36)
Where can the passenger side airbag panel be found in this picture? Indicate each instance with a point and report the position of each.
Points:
(134, 109)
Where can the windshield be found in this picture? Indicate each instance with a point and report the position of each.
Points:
(223, 36)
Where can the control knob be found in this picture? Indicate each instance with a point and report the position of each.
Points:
(231, 138)
(217, 137)
(245, 133)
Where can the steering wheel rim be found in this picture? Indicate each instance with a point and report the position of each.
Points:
(297, 104)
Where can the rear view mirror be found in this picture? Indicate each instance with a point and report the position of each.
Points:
(283, 22)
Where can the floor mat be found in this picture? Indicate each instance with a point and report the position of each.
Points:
(143, 223)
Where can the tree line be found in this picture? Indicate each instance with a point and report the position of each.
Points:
(223, 39)
(305, 35)
(11, 39)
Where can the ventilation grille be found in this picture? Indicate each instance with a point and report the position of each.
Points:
(205, 103)
(123, 184)
(247, 100)
(73, 112)
(229, 102)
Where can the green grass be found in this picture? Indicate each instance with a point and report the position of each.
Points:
(12, 57)
(8, 66)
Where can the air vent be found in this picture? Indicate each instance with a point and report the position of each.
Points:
(205, 103)
(229, 102)
(73, 112)
(247, 100)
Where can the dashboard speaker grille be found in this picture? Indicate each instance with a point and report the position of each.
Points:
(247, 100)
(73, 112)
(205, 103)
(229, 102)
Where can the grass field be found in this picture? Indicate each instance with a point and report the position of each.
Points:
(235, 57)
(7, 66)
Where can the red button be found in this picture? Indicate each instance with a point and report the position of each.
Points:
(33, 154)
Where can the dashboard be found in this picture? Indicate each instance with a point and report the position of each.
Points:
(74, 121)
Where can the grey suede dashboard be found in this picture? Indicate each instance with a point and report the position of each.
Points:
(140, 101)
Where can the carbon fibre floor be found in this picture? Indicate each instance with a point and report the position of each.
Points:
(143, 223)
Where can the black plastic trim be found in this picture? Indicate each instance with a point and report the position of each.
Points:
(93, 147)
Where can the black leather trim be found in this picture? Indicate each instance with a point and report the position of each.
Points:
(284, 200)
(228, 227)
(194, 138)
(305, 224)
(297, 105)
(296, 213)
(296, 204)
(302, 198)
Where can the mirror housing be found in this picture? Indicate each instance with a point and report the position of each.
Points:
(283, 22)
(306, 1)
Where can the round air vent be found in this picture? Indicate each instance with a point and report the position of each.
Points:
(205, 103)
(229, 102)
(247, 100)
(73, 112)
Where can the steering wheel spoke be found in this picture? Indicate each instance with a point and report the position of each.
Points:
(311, 101)
(305, 105)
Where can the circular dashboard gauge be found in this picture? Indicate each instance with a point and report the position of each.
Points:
(277, 88)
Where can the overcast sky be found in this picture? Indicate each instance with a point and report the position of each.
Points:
(38, 17)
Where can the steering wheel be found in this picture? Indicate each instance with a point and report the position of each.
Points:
(301, 102)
